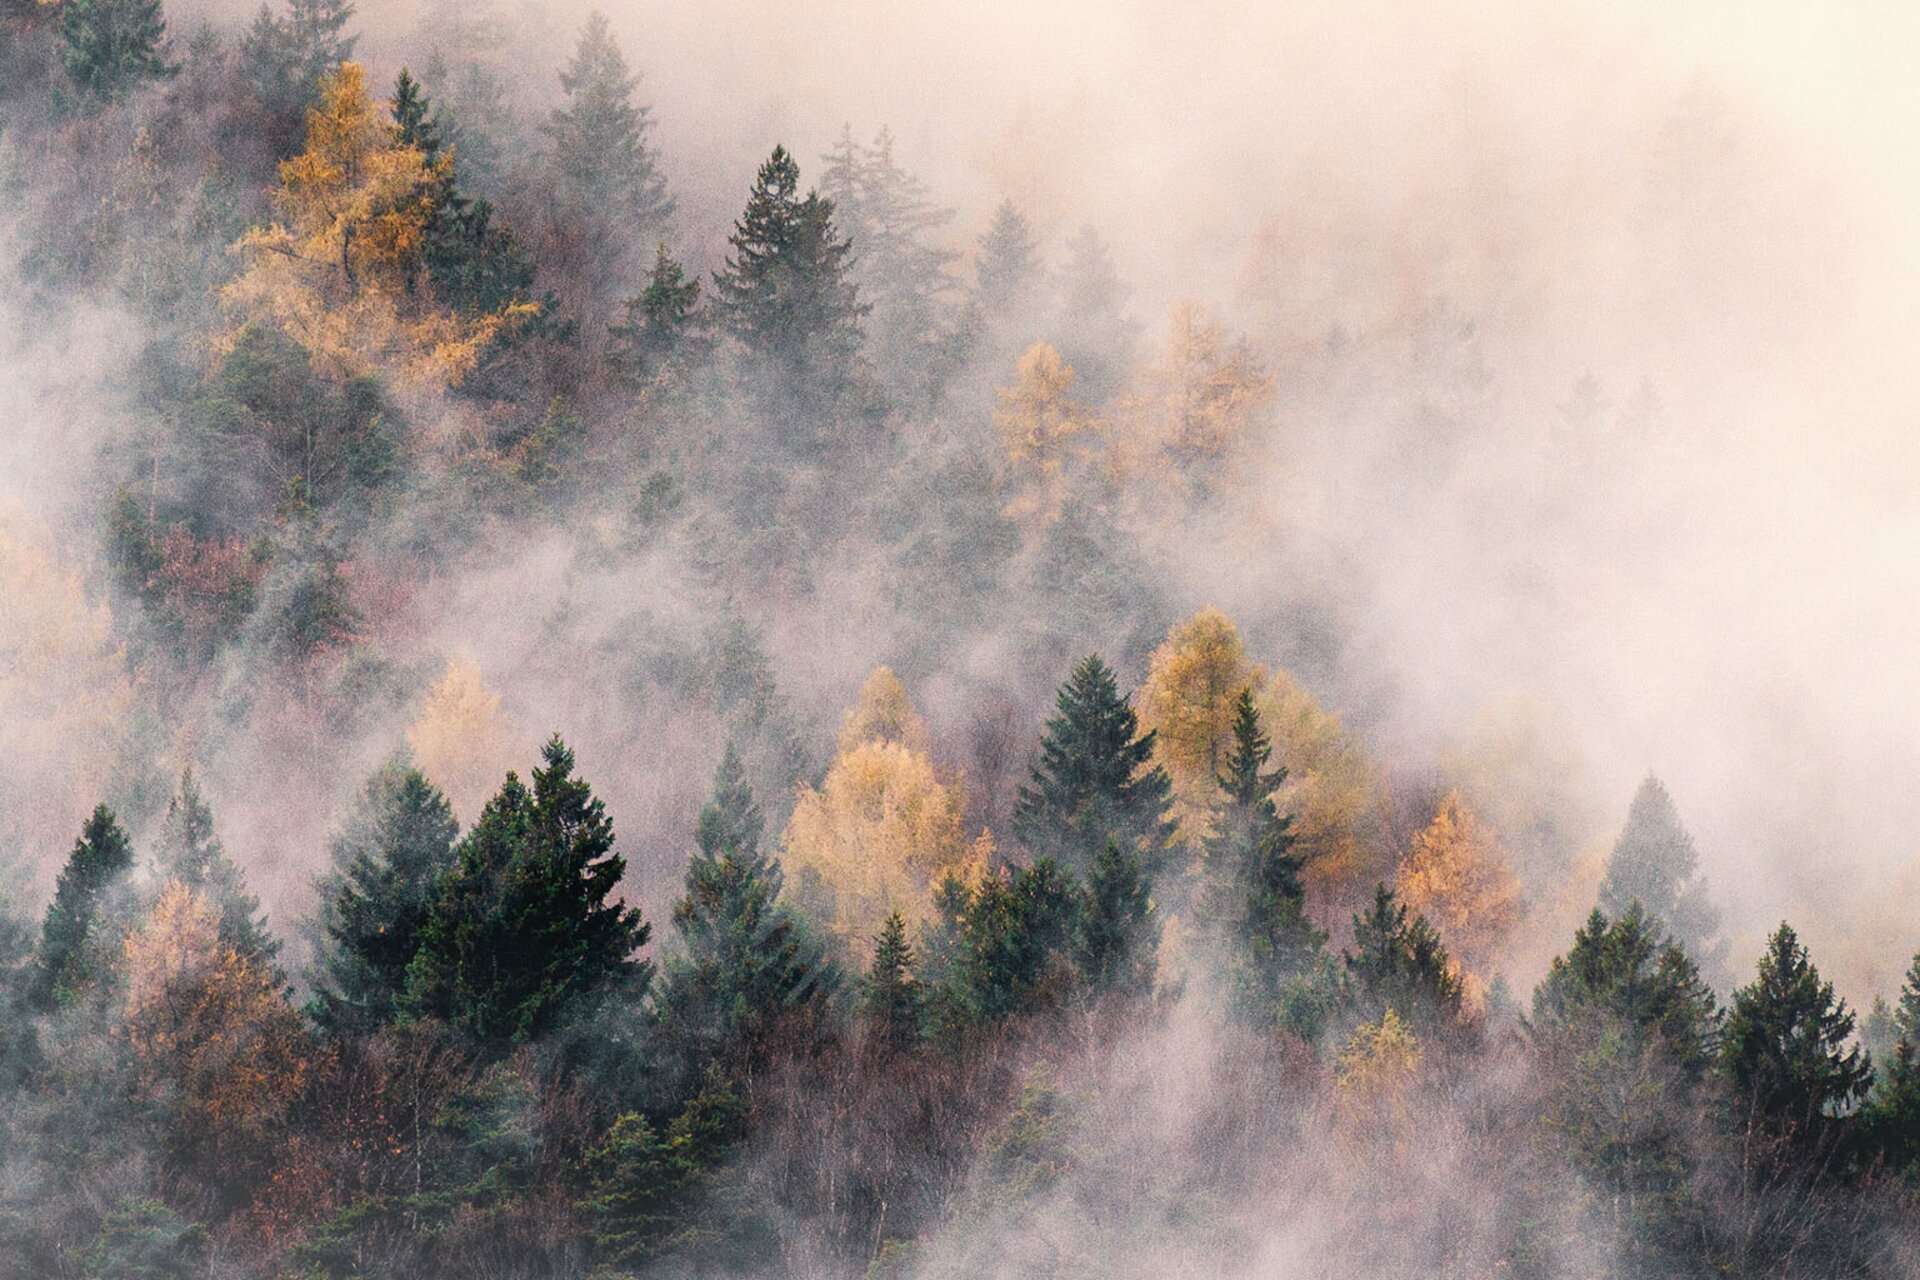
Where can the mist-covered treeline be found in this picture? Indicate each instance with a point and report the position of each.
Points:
(548, 736)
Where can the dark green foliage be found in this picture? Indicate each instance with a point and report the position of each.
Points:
(145, 1240)
(748, 961)
(1624, 972)
(1251, 900)
(892, 998)
(1654, 863)
(1095, 780)
(414, 124)
(108, 47)
(1116, 945)
(635, 1198)
(785, 294)
(1015, 938)
(190, 853)
(283, 58)
(1786, 1052)
(1906, 1012)
(663, 327)
(1890, 1122)
(374, 904)
(522, 925)
(1399, 963)
(601, 156)
(85, 904)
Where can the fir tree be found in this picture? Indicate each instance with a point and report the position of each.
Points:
(1117, 940)
(1654, 863)
(85, 902)
(190, 853)
(892, 999)
(1786, 1050)
(663, 325)
(1095, 779)
(1008, 271)
(1016, 937)
(374, 904)
(1623, 976)
(1399, 963)
(748, 960)
(414, 122)
(1890, 1122)
(601, 157)
(522, 925)
(1094, 332)
(785, 295)
(108, 47)
(1906, 1011)
(284, 58)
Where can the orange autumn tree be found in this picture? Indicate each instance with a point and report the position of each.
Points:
(1046, 433)
(1456, 874)
(883, 828)
(342, 268)
(1199, 399)
(1193, 679)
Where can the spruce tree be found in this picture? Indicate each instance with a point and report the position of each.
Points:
(1095, 779)
(663, 325)
(1016, 940)
(1890, 1122)
(108, 47)
(190, 853)
(892, 999)
(284, 57)
(1399, 963)
(602, 160)
(747, 960)
(387, 863)
(1008, 271)
(1251, 899)
(1786, 1050)
(1623, 977)
(1906, 1011)
(1654, 863)
(1117, 940)
(785, 294)
(523, 926)
(1094, 333)
(85, 902)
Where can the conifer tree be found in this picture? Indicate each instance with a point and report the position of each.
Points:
(1398, 962)
(108, 47)
(1094, 331)
(1008, 272)
(1890, 1122)
(1906, 1011)
(374, 903)
(84, 904)
(748, 960)
(893, 1000)
(663, 326)
(190, 853)
(602, 159)
(1095, 780)
(1016, 935)
(522, 926)
(1786, 1049)
(1654, 862)
(285, 58)
(1117, 940)
(785, 294)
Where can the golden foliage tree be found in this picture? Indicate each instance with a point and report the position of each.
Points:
(342, 268)
(883, 713)
(461, 739)
(1047, 434)
(212, 1032)
(1193, 680)
(1456, 875)
(1199, 399)
(1374, 1069)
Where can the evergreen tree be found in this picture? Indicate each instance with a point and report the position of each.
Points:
(1251, 899)
(1095, 780)
(414, 122)
(1786, 1050)
(785, 294)
(1008, 271)
(1117, 940)
(374, 904)
(663, 325)
(1399, 963)
(85, 902)
(284, 58)
(1016, 937)
(522, 925)
(1623, 975)
(893, 1000)
(1094, 332)
(190, 853)
(1890, 1122)
(601, 157)
(1654, 863)
(110, 46)
(1906, 1011)
(748, 959)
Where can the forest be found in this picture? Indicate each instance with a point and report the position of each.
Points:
(1022, 868)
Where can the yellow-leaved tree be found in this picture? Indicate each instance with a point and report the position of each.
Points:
(342, 269)
(1198, 400)
(1375, 1070)
(461, 739)
(1047, 434)
(1193, 680)
(1456, 874)
(884, 827)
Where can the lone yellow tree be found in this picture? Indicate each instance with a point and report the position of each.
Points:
(1047, 434)
(460, 740)
(342, 269)
(883, 713)
(1199, 399)
(1456, 875)
(1188, 701)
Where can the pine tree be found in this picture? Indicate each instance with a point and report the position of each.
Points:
(1008, 271)
(1623, 975)
(893, 1000)
(1786, 1050)
(284, 59)
(1016, 935)
(1095, 780)
(1398, 962)
(785, 294)
(663, 325)
(85, 902)
(190, 853)
(1890, 1122)
(110, 46)
(1654, 863)
(374, 904)
(414, 122)
(1117, 940)
(1251, 899)
(601, 157)
(522, 926)
(748, 960)
(1906, 1011)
